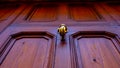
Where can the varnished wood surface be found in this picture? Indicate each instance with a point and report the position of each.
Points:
(98, 53)
(94, 51)
(31, 40)
(70, 13)
(83, 13)
(30, 48)
(27, 53)
(44, 13)
(8, 13)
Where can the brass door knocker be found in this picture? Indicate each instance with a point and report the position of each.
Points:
(62, 30)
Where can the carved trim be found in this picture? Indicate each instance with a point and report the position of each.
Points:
(6, 47)
(90, 34)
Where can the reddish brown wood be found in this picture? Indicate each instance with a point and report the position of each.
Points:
(44, 13)
(114, 10)
(83, 13)
(28, 49)
(8, 13)
(95, 50)
(32, 41)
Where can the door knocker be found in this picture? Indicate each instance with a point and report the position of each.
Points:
(62, 30)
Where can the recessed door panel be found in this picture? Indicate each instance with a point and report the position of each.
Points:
(29, 51)
(33, 41)
(83, 13)
(43, 13)
(96, 51)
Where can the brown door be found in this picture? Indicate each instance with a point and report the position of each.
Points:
(33, 40)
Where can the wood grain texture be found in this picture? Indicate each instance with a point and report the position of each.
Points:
(8, 12)
(5, 13)
(83, 13)
(62, 57)
(44, 13)
(32, 41)
(29, 52)
(26, 53)
(68, 13)
(114, 11)
(95, 51)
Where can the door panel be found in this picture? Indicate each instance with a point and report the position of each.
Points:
(33, 40)
(28, 50)
(68, 13)
(44, 13)
(42, 47)
(83, 12)
(95, 50)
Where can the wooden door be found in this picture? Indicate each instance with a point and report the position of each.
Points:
(92, 40)
(8, 13)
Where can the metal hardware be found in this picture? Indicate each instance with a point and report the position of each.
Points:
(62, 31)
